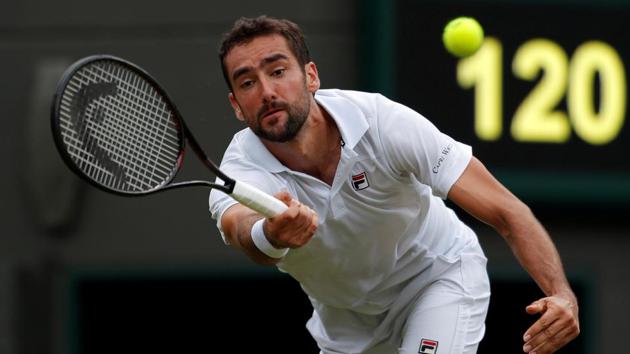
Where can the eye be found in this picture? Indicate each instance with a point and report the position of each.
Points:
(278, 72)
(246, 83)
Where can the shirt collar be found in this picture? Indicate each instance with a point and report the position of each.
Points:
(350, 120)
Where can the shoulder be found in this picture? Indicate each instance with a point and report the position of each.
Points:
(246, 149)
(352, 108)
(367, 102)
(238, 146)
(375, 107)
(235, 154)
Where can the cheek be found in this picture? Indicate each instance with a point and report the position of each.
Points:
(244, 104)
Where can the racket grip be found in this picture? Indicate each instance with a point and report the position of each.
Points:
(258, 200)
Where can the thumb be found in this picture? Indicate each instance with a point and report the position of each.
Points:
(537, 306)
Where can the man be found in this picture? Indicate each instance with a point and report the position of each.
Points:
(387, 266)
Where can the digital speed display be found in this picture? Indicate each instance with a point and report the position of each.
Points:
(537, 118)
(543, 102)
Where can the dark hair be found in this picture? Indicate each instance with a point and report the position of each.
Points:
(247, 29)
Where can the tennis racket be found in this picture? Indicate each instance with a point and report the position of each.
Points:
(116, 127)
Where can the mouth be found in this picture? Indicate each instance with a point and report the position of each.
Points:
(270, 114)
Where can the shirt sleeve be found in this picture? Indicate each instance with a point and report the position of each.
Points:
(413, 145)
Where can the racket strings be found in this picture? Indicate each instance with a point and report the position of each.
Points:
(126, 140)
(134, 131)
(102, 155)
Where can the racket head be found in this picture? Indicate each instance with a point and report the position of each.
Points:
(116, 127)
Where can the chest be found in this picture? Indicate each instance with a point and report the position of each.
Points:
(362, 186)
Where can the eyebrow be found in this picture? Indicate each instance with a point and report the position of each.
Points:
(266, 61)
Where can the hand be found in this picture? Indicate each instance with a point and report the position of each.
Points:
(557, 326)
(294, 227)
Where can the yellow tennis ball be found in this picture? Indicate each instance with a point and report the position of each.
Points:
(462, 36)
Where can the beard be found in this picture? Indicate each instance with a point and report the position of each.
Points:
(296, 116)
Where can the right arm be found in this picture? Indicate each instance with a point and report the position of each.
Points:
(291, 229)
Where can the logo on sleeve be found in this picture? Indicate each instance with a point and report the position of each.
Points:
(360, 181)
(443, 155)
(428, 346)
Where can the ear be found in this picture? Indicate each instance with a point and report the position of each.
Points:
(312, 77)
(236, 107)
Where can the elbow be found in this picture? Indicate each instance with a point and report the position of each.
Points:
(514, 216)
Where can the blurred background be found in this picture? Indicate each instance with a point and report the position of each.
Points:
(543, 104)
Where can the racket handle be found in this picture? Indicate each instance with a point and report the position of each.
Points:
(258, 200)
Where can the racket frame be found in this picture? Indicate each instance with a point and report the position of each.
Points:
(183, 134)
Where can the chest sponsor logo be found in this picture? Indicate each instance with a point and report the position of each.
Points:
(360, 181)
(428, 346)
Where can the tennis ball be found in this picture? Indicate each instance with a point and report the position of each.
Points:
(462, 36)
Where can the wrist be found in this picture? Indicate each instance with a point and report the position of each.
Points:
(567, 294)
(262, 243)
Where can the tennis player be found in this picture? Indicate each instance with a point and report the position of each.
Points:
(387, 266)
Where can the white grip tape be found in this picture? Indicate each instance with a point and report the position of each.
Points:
(261, 242)
(258, 200)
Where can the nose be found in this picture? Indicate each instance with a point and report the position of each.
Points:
(268, 92)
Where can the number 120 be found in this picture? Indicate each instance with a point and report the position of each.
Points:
(536, 119)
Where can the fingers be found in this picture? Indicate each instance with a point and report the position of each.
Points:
(293, 228)
(284, 196)
(305, 225)
(543, 322)
(552, 344)
(542, 333)
(557, 326)
(302, 214)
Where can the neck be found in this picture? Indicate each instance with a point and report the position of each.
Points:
(315, 150)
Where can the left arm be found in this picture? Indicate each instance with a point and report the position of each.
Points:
(485, 198)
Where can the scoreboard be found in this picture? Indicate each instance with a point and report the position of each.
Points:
(543, 102)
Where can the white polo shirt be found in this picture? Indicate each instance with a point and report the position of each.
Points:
(383, 222)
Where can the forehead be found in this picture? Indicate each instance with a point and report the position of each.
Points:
(252, 52)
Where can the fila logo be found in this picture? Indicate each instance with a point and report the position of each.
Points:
(360, 181)
(428, 346)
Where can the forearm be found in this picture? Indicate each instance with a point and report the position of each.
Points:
(237, 226)
(535, 251)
